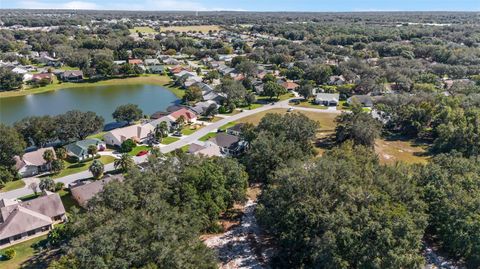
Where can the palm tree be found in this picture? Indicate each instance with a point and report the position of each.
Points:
(161, 130)
(49, 156)
(92, 150)
(125, 162)
(61, 153)
(96, 168)
(47, 184)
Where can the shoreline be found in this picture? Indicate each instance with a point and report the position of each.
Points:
(149, 79)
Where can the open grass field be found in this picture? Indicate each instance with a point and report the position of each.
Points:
(139, 29)
(391, 151)
(309, 104)
(326, 120)
(72, 168)
(24, 252)
(144, 79)
(13, 185)
(191, 28)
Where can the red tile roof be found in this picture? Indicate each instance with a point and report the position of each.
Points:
(290, 85)
(135, 61)
(189, 115)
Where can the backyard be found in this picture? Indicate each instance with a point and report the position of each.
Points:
(24, 251)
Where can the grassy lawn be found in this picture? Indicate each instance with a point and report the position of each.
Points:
(308, 104)
(263, 99)
(214, 119)
(149, 79)
(24, 252)
(198, 28)
(72, 168)
(391, 151)
(228, 125)
(188, 130)
(13, 185)
(67, 200)
(185, 148)
(137, 149)
(235, 111)
(252, 106)
(169, 140)
(147, 30)
(207, 136)
(326, 120)
(97, 136)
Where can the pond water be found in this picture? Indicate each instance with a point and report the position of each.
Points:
(100, 99)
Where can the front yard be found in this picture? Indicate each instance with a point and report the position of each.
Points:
(73, 168)
(13, 185)
(169, 140)
(137, 149)
(207, 136)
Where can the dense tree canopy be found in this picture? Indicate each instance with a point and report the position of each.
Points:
(344, 210)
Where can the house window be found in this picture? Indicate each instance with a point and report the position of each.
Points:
(4, 241)
(17, 237)
(30, 233)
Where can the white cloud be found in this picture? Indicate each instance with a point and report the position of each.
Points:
(32, 4)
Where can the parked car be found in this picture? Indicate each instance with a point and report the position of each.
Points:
(290, 109)
(177, 133)
(141, 153)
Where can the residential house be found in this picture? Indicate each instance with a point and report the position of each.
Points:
(327, 99)
(185, 73)
(200, 107)
(156, 69)
(236, 130)
(135, 61)
(207, 149)
(19, 70)
(152, 62)
(364, 100)
(86, 190)
(229, 144)
(137, 132)
(72, 76)
(290, 86)
(192, 80)
(120, 62)
(337, 80)
(159, 114)
(42, 76)
(79, 149)
(32, 163)
(189, 116)
(171, 61)
(24, 220)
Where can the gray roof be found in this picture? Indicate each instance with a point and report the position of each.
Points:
(224, 140)
(22, 217)
(80, 148)
(327, 97)
(84, 192)
(237, 127)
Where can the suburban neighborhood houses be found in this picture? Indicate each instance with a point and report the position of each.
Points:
(233, 139)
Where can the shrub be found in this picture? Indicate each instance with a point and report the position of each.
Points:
(10, 254)
(127, 146)
(59, 186)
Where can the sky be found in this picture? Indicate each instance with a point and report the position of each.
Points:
(250, 5)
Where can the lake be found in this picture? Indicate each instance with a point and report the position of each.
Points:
(100, 99)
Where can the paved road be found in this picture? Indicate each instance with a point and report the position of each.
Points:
(168, 148)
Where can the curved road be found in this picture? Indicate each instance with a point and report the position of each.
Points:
(167, 148)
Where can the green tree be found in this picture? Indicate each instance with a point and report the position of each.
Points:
(57, 165)
(128, 113)
(125, 162)
(192, 94)
(37, 130)
(161, 130)
(272, 89)
(234, 90)
(358, 126)
(97, 169)
(11, 145)
(451, 185)
(92, 150)
(353, 213)
(47, 184)
(61, 153)
(306, 91)
(211, 111)
(9, 80)
(127, 145)
(49, 156)
(76, 125)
